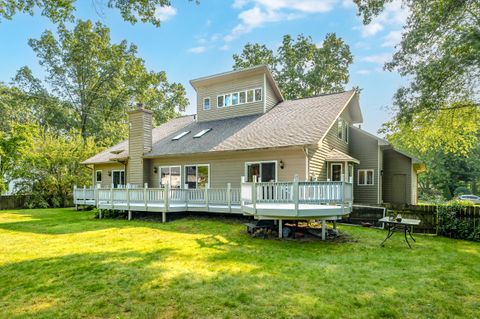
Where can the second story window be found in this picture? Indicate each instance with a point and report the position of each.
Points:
(243, 97)
(234, 98)
(228, 99)
(342, 130)
(258, 95)
(220, 101)
(206, 103)
(249, 96)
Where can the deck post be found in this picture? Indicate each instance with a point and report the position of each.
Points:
(229, 197)
(75, 196)
(145, 195)
(84, 195)
(296, 192)
(280, 228)
(335, 226)
(324, 229)
(166, 206)
(111, 196)
(128, 197)
(129, 215)
(97, 195)
(254, 194)
(99, 214)
(242, 202)
(206, 197)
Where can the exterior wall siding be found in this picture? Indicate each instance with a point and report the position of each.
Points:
(270, 98)
(213, 91)
(230, 167)
(366, 150)
(317, 166)
(105, 168)
(396, 163)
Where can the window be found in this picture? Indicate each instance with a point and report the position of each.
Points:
(202, 132)
(265, 171)
(258, 95)
(98, 176)
(228, 99)
(336, 172)
(197, 176)
(235, 98)
(170, 175)
(206, 103)
(179, 136)
(249, 96)
(365, 177)
(220, 101)
(118, 179)
(243, 97)
(343, 130)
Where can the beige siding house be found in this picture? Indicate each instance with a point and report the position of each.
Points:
(245, 128)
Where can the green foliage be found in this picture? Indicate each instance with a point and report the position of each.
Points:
(300, 67)
(51, 167)
(461, 190)
(92, 83)
(450, 223)
(60, 11)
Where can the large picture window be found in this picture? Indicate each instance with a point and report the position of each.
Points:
(170, 175)
(265, 171)
(365, 177)
(197, 176)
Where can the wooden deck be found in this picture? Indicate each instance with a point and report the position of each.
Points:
(275, 200)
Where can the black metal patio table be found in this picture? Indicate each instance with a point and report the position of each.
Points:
(405, 225)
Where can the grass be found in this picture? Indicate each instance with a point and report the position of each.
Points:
(58, 263)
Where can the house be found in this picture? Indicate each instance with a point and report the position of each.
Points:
(244, 127)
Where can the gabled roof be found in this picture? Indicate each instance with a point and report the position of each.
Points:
(238, 74)
(293, 123)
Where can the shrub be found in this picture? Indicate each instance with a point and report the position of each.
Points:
(461, 190)
(453, 222)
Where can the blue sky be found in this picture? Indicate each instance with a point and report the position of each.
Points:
(198, 40)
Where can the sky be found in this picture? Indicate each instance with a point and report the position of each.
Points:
(196, 40)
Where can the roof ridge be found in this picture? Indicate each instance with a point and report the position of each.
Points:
(319, 95)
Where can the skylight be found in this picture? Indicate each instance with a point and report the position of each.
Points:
(202, 132)
(179, 136)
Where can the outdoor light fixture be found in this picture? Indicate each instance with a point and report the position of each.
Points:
(381, 172)
(155, 170)
(109, 173)
(282, 165)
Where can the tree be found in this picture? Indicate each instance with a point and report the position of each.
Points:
(61, 11)
(92, 82)
(439, 52)
(300, 67)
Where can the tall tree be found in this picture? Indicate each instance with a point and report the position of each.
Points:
(300, 67)
(92, 82)
(439, 52)
(61, 11)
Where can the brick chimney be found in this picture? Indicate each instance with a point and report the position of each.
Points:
(139, 143)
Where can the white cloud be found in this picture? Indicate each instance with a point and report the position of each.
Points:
(392, 38)
(197, 50)
(363, 72)
(165, 13)
(377, 59)
(348, 4)
(225, 47)
(268, 11)
(393, 14)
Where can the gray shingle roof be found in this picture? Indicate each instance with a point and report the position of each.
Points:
(290, 123)
(336, 155)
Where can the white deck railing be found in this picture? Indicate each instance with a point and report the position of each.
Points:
(297, 193)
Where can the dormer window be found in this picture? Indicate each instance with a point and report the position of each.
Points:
(206, 103)
(235, 98)
(342, 130)
(243, 97)
(220, 101)
(258, 95)
(249, 96)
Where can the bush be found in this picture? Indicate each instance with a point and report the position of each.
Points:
(453, 225)
(461, 190)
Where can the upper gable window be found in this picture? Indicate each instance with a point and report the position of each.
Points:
(228, 99)
(249, 96)
(206, 103)
(243, 97)
(235, 98)
(342, 130)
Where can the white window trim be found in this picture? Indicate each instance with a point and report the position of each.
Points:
(238, 92)
(101, 176)
(196, 174)
(366, 170)
(209, 104)
(169, 166)
(261, 162)
(345, 130)
(119, 170)
(342, 174)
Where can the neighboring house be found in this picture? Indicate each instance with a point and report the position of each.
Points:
(244, 127)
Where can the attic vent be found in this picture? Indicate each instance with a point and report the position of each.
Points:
(179, 136)
(202, 132)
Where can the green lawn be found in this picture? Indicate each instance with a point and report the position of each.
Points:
(63, 263)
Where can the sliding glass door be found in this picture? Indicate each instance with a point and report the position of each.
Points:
(265, 171)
